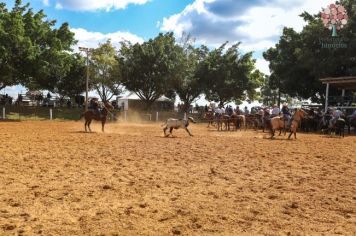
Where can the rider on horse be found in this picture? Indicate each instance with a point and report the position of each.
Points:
(286, 113)
(275, 111)
(95, 106)
(336, 114)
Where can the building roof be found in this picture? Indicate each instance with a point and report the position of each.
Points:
(346, 82)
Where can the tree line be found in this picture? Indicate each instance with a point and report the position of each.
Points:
(299, 60)
(40, 56)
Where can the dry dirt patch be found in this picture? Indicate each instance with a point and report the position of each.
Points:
(57, 180)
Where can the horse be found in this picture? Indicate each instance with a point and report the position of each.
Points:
(310, 122)
(351, 122)
(209, 116)
(238, 121)
(324, 121)
(277, 122)
(297, 117)
(91, 115)
(221, 119)
(339, 127)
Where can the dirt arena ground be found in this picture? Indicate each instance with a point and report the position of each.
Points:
(57, 180)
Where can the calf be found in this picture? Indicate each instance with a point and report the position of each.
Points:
(176, 124)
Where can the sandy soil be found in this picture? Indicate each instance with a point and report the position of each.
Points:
(57, 180)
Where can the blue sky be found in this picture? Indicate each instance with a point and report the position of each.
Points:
(256, 23)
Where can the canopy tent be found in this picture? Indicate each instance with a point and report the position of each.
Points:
(343, 83)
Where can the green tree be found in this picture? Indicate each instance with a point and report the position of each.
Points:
(269, 93)
(105, 71)
(150, 69)
(298, 61)
(33, 53)
(188, 85)
(229, 76)
(73, 83)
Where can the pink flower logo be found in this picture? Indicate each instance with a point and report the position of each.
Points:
(334, 17)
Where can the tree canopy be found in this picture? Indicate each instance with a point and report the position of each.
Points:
(32, 53)
(229, 75)
(105, 71)
(188, 84)
(298, 60)
(149, 69)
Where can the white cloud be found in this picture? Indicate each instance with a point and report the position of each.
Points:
(46, 2)
(92, 39)
(262, 65)
(257, 23)
(92, 5)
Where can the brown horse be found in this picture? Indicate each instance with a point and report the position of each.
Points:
(278, 123)
(297, 117)
(239, 121)
(209, 117)
(91, 115)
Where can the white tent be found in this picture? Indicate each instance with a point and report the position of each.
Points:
(124, 101)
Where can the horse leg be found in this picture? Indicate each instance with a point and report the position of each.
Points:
(188, 131)
(89, 122)
(170, 131)
(272, 132)
(85, 126)
(290, 135)
(164, 131)
(295, 135)
(102, 125)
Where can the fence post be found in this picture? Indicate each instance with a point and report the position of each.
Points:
(3, 113)
(150, 117)
(50, 114)
(125, 115)
(157, 116)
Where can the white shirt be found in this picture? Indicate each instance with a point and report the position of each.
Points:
(337, 113)
(275, 111)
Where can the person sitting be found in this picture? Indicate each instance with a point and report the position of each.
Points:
(246, 111)
(336, 114)
(275, 111)
(95, 106)
(286, 113)
(218, 112)
(222, 110)
(229, 110)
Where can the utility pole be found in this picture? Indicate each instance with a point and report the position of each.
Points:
(87, 51)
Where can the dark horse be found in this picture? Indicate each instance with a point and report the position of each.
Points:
(92, 115)
(339, 127)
